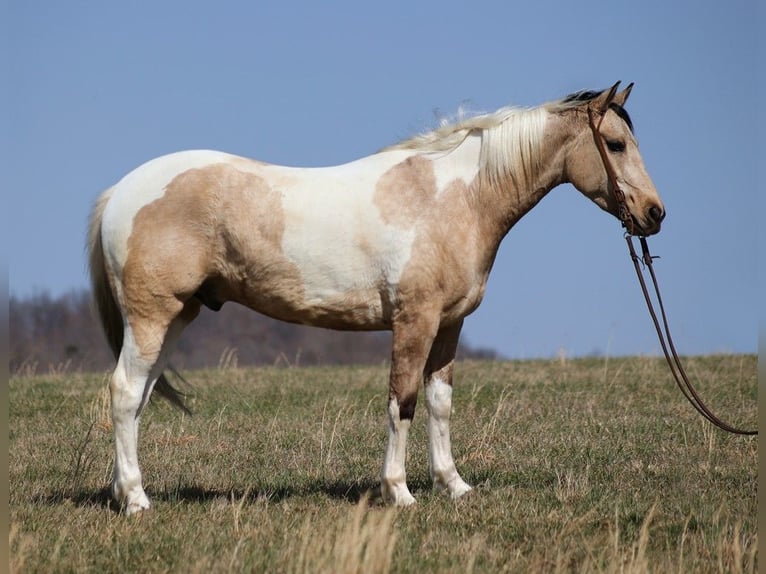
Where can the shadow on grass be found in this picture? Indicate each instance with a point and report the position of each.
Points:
(351, 492)
(83, 498)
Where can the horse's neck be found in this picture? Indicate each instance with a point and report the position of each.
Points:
(503, 202)
(490, 203)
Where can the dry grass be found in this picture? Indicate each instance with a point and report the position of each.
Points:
(580, 465)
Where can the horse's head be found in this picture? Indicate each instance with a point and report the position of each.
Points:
(586, 169)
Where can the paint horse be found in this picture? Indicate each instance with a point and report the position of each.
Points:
(401, 240)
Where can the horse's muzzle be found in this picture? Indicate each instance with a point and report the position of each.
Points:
(653, 220)
(650, 224)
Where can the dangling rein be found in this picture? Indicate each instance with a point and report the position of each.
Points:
(676, 368)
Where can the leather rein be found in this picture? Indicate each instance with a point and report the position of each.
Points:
(666, 341)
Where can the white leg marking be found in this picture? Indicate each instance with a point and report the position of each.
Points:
(393, 478)
(127, 388)
(440, 462)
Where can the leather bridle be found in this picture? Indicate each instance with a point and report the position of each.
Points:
(628, 222)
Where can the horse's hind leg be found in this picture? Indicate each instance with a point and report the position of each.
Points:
(127, 389)
(438, 391)
(140, 364)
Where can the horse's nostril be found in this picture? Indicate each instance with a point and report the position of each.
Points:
(656, 214)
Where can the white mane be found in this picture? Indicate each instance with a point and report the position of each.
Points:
(511, 139)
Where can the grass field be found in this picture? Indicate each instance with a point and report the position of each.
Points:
(589, 465)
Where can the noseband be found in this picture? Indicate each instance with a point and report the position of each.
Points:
(623, 213)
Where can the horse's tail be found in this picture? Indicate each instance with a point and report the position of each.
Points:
(108, 310)
(103, 297)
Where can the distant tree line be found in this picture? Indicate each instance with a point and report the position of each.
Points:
(61, 333)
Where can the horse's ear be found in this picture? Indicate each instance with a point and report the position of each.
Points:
(622, 97)
(601, 103)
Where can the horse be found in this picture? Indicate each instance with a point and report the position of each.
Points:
(401, 240)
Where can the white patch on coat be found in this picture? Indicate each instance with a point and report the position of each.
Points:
(335, 234)
(461, 163)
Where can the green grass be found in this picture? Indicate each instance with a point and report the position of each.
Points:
(587, 465)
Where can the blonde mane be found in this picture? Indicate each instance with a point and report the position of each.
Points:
(511, 140)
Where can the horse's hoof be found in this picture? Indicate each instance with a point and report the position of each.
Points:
(397, 495)
(136, 504)
(459, 490)
(135, 510)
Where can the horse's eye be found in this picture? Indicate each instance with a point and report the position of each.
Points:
(615, 146)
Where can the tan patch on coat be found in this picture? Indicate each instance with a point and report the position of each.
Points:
(451, 256)
(218, 226)
(452, 252)
(406, 192)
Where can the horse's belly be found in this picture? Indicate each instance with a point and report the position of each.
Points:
(358, 310)
(351, 311)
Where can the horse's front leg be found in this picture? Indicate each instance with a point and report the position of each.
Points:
(412, 338)
(438, 391)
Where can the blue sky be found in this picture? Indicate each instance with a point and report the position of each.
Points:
(96, 88)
